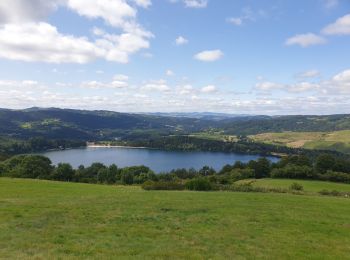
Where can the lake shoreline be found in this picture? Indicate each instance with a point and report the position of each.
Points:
(117, 146)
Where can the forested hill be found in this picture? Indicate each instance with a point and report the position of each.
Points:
(84, 125)
(297, 123)
(90, 125)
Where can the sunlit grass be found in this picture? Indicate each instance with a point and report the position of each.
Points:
(46, 220)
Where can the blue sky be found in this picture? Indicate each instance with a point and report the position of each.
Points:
(246, 57)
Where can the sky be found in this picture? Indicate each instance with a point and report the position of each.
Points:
(272, 57)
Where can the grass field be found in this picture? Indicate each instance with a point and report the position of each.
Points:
(337, 140)
(46, 220)
(310, 187)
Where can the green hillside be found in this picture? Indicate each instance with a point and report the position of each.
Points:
(45, 220)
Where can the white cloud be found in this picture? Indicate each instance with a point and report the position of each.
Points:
(181, 40)
(42, 42)
(209, 89)
(340, 27)
(143, 3)
(309, 74)
(196, 3)
(19, 11)
(115, 12)
(169, 73)
(343, 77)
(121, 77)
(235, 20)
(306, 40)
(156, 85)
(303, 87)
(24, 37)
(247, 14)
(102, 85)
(209, 56)
(186, 89)
(268, 86)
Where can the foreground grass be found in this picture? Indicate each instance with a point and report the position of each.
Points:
(42, 219)
(336, 140)
(310, 186)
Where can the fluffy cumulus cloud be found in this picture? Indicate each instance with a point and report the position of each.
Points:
(340, 27)
(181, 40)
(209, 56)
(24, 36)
(340, 82)
(306, 40)
(42, 42)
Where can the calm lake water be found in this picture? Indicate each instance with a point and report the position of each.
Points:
(157, 160)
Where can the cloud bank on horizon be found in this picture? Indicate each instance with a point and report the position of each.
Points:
(176, 55)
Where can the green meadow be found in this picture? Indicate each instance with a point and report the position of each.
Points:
(311, 187)
(56, 220)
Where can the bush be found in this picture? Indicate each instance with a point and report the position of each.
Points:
(248, 187)
(27, 166)
(296, 186)
(162, 185)
(292, 171)
(335, 177)
(199, 184)
(335, 193)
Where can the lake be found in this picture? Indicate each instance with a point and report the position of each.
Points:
(157, 160)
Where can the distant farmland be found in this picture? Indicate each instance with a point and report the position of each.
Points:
(336, 140)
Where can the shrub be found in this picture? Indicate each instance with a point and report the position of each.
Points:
(296, 186)
(335, 177)
(248, 187)
(292, 171)
(162, 185)
(335, 193)
(199, 184)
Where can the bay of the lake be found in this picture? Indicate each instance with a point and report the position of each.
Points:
(157, 160)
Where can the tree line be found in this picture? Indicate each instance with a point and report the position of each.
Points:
(324, 167)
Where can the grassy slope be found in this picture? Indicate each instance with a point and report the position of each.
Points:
(337, 140)
(41, 219)
(309, 186)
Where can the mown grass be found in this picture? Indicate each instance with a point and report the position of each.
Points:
(336, 140)
(47, 220)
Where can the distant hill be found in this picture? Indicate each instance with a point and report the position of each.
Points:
(84, 125)
(81, 124)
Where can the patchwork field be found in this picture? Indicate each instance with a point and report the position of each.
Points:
(337, 140)
(46, 220)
